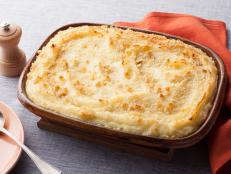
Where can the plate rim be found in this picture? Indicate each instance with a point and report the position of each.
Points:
(16, 156)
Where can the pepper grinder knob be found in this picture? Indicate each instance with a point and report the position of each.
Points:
(12, 59)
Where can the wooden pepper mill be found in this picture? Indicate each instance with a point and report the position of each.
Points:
(12, 59)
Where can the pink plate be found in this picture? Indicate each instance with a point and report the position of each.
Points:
(9, 151)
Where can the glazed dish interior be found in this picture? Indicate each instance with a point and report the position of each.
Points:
(124, 80)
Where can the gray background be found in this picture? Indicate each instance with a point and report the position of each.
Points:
(38, 19)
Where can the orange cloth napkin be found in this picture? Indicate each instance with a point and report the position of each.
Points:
(213, 35)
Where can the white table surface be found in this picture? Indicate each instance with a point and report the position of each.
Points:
(38, 19)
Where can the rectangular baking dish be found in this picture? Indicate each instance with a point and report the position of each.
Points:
(139, 140)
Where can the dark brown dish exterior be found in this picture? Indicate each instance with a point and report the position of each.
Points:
(121, 136)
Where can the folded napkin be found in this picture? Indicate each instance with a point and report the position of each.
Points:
(213, 35)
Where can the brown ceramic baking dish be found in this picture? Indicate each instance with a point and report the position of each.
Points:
(121, 137)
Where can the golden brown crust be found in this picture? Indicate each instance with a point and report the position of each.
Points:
(124, 80)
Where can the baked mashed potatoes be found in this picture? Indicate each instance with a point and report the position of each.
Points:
(124, 80)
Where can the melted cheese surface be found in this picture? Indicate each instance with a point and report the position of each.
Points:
(124, 80)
